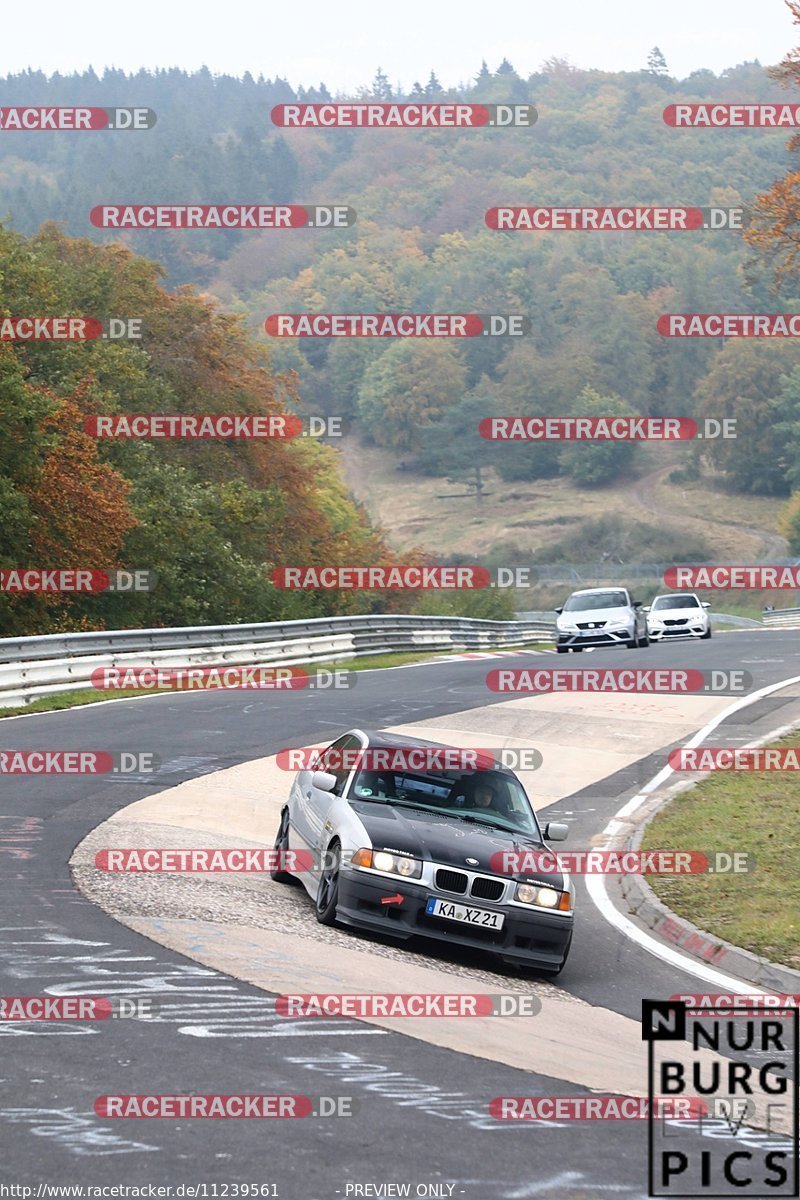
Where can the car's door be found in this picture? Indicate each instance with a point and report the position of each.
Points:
(302, 797)
(318, 804)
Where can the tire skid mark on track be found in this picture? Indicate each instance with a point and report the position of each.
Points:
(75, 1131)
(407, 1091)
(198, 1000)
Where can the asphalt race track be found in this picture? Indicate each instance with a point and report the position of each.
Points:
(422, 1111)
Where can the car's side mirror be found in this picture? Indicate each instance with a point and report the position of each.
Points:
(706, 603)
(558, 610)
(646, 608)
(324, 781)
(556, 831)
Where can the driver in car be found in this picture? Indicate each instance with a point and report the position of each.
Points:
(483, 795)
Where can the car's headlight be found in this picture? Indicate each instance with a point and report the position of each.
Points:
(542, 897)
(612, 625)
(382, 860)
(566, 626)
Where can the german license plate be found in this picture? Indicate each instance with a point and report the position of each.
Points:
(464, 914)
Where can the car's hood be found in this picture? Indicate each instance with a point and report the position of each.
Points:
(670, 614)
(597, 614)
(435, 838)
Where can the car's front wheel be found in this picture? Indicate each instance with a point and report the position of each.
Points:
(328, 890)
(705, 636)
(282, 845)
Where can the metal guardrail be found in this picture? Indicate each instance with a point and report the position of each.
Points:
(31, 667)
(783, 618)
(735, 622)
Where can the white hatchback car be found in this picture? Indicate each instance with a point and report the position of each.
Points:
(678, 615)
(600, 617)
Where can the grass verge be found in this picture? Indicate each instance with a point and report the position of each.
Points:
(63, 700)
(754, 812)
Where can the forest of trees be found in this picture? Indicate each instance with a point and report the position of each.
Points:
(210, 518)
(197, 513)
(420, 244)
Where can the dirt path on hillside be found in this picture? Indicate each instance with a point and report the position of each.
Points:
(643, 493)
(707, 516)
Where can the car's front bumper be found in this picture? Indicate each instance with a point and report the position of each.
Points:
(536, 938)
(670, 632)
(592, 637)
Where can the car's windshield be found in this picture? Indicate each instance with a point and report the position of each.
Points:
(488, 797)
(675, 602)
(593, 600)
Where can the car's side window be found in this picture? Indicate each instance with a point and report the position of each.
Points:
(348, 742)
(325, 756)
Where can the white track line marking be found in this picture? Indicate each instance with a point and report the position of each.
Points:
(595, 884)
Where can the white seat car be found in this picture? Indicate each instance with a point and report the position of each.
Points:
(600, 617)
(678, 615)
